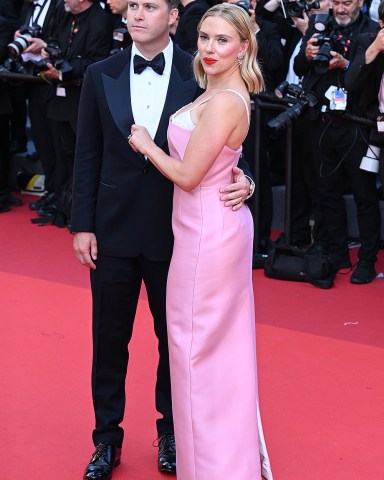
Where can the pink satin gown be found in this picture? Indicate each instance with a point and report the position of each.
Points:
(211, 326)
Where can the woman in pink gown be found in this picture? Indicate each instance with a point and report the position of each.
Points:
(210, 304)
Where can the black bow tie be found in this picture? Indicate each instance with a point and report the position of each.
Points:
(157, 64)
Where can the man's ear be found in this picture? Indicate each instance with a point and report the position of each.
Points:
(173, 14)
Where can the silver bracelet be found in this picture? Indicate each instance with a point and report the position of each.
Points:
(251, 187)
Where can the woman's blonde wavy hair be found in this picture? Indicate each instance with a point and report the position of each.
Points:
(249, 69)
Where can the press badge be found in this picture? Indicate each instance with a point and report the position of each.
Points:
(380, 123)
(60, 92)
(337, 98)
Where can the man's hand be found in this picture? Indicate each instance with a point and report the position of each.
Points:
(337, 61)
(35, 45)
(237, 192)
(311, 50)
(85, 246)
(51, 72)
(301, 23)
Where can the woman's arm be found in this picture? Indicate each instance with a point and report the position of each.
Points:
(223, 119)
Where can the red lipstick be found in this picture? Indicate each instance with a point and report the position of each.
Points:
(209, 61)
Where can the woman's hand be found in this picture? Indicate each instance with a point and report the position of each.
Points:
(139, 139)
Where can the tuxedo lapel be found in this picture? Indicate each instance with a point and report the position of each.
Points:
(117, 93)
(180, 92)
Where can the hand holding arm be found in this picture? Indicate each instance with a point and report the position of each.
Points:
(236, 192)
(85, 246)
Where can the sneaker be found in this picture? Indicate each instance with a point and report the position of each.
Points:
(365, 272)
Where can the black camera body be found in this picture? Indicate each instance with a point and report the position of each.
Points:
(296, 9)
(328, 39)
(55, 58)
(301, 100)
(17, 47)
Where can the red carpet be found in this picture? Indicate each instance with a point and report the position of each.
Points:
(320, 354)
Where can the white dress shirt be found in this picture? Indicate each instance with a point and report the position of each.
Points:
(149, 90)
(40, 12)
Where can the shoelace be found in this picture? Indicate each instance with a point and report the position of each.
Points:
(165, 442)
(100, 450)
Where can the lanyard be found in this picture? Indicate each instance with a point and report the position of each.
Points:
(72, 33)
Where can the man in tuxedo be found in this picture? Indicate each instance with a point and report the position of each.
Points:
(121, 215)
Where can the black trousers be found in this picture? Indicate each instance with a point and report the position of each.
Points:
(116, 286)
(42, 134)
(341, 146)
(64, 133)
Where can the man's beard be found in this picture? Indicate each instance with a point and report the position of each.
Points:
(344, 21)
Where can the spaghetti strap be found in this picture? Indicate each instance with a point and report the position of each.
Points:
(225, 90)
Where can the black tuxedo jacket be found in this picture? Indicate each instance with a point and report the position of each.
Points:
(118, 195)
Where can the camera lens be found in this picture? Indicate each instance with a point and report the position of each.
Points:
(18, 46)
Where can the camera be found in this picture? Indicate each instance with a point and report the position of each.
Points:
(17, 47)
(245, 5)
(54, 58)
(328, 39)
(301, 101)
(296, 9)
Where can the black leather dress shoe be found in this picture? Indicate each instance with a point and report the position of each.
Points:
(14, 201)
(44, 201)
(104, 460)
(167, 453)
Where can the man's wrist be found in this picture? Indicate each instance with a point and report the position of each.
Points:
(251, 187)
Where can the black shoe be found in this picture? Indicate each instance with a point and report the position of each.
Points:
(45, 200)
(365, 272)
(49, 209)
(167, 453)
(14, 201)
(4, 208)
(104, 460)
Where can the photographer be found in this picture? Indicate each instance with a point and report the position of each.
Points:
(365, 77)
(339, 143)
(121, 37)
(84, 36)
(6, 31)
(40, 18)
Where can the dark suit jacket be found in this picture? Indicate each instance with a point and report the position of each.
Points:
(6, 35)
(117, 195)
(270, 53)
(54, 13)
(365, 79)
(186, 32)
(90, 43)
